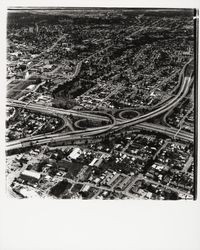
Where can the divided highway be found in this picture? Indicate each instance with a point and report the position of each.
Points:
(185, 82)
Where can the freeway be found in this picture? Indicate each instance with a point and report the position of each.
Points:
(176, 87)
(42, 139)
(186, 82)
(90, 115)
(51, 110)
(166, 130)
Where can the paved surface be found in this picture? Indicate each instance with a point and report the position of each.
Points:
(188, 164)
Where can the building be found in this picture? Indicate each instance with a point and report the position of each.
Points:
(113, 179)
(75, 154)
(93, 162)
(30, 176)
(31, 29)
(28, 193)
(85, 188)
(36, 28)
(124, 183)
(99, 161)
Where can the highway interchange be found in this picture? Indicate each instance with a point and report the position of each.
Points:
(140, 122)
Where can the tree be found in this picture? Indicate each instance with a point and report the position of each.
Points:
(59, 188)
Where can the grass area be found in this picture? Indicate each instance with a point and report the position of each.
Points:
(89, 194)
(73, 169)
(76, 188)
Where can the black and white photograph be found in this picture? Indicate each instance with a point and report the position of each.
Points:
(101, 103)
(99, 123)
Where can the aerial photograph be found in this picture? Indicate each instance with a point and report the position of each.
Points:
(101, 103)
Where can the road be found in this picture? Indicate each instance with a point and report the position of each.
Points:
(102, 188)
(126, 191)
(186, 82)
(188, 164)
(46, 51)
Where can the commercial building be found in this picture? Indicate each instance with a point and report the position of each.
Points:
(30, 176)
